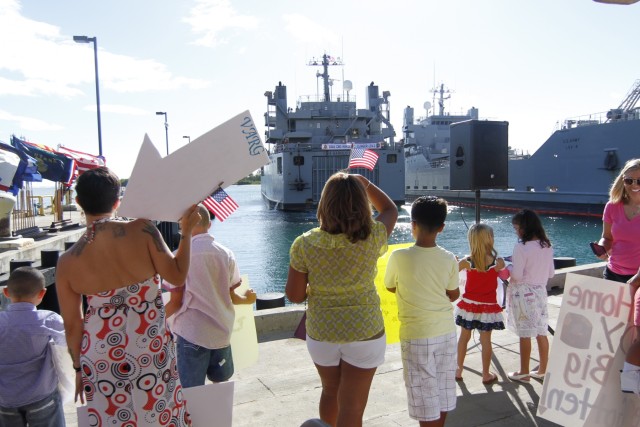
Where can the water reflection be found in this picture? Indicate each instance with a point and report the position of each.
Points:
(261, 238)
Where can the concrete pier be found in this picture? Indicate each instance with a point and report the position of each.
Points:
(283, 388)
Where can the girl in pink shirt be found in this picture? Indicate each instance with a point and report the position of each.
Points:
(527, 314)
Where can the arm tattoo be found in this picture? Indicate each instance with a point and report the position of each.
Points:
(155, 235)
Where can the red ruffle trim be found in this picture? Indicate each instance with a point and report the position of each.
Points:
(479, 308)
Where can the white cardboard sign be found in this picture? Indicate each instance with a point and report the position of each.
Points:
(163, 188)
(582, 385)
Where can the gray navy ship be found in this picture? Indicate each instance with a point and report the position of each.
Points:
(309, 143)
(570, 174)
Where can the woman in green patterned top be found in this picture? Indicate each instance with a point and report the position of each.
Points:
(334, 265)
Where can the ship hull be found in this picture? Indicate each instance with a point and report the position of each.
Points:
(290, 184)
(570, 174)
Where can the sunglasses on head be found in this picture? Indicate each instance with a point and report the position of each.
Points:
(630, 181)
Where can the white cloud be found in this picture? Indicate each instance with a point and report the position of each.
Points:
(29, 123)
(306, 31)
(211, 18)
(36, 59)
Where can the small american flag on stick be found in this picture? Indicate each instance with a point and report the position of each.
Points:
(220, 204)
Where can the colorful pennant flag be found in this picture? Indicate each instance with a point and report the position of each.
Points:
(220, 204)
(51, 164)
(84, 161)
(363, 158)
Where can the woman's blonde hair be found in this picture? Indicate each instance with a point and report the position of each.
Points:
(481, 244)
(618, 193)
(344, 208)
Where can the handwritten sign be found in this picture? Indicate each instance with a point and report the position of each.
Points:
(163, 188)
(582, 385)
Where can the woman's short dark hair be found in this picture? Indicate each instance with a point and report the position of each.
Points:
(98, 190)
(344, 208)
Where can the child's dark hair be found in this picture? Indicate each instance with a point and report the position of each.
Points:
(531, 227)
(429, 212)
(98, 190)
(25, 282)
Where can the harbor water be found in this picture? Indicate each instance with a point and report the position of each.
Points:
(260, 238)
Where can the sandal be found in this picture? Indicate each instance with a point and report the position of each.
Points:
(536, 375)
(493, 379)
(517, 376)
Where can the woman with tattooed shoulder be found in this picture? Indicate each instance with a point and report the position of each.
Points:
(123, 355)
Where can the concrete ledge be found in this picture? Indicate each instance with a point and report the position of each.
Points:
(278, 323)
(592, 270)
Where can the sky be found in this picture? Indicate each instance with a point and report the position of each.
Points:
(533, 63)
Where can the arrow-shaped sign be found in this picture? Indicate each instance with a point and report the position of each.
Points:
(163, 188)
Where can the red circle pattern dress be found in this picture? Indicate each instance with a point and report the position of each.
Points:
(129, 371)
(479, 308)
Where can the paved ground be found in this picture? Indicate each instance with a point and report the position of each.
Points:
(283, 388)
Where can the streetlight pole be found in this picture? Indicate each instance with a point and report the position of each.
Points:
(94, 40)
(188, 137)
(166, 127)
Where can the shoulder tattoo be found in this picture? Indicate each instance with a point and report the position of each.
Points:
(155, 235)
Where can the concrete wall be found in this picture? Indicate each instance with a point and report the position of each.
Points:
(279, 323)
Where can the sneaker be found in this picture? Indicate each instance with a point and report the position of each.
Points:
(630, 382)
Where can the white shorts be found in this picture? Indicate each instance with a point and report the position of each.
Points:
(361, 354)
(429, 367)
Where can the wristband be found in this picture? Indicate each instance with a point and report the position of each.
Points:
(77, 369)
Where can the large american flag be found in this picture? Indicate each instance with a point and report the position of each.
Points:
(84, 161)
(220, 204)
(363, 158)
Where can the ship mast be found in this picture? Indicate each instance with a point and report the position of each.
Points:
(442, 98)
(326, 81)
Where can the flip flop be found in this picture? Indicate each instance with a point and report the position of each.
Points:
(517, 376)
(536, 375)
(494, 378)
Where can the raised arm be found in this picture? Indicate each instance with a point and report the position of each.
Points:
(387, 210)
(172, 268)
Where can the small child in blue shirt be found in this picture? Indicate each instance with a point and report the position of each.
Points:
(28, 380)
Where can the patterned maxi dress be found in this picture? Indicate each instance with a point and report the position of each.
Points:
(128, 360)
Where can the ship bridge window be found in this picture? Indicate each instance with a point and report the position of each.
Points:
(392, 158)
(279, 165)
(298, 160)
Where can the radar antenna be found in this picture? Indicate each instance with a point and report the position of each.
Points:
(326, 61)
(441, 92)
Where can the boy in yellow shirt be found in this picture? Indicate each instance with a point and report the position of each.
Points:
(424, 278)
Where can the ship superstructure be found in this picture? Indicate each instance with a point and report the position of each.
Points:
(310, 142)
